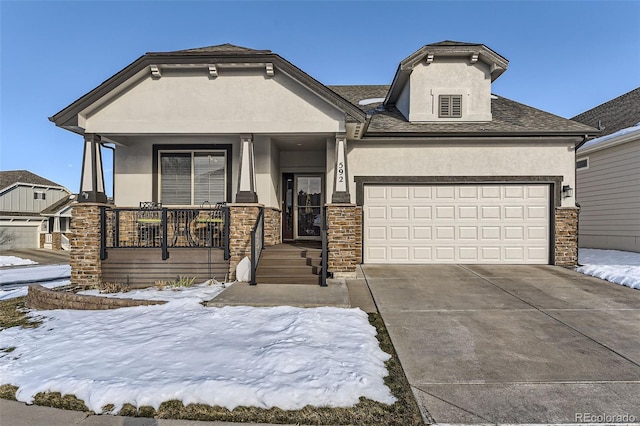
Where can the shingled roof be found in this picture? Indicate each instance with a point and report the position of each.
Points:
(11, 177)
(617, 114)
(508, 117)
(220, 49)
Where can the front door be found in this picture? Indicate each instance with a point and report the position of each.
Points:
(302, 206)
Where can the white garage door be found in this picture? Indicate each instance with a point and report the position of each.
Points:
(16, 237)
(456, 224)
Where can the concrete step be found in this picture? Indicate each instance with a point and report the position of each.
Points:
(280, 261)
(289, 271)
(308, 280)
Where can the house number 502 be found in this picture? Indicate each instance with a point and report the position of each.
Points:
(340, 172)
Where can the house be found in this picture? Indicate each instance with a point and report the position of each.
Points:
(608, 176)
(23, 197)
(432, 168)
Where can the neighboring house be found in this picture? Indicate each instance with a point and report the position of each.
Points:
(432, 168)
(23, 196)
(608, 174)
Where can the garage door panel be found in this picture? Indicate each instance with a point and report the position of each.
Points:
(506, 223)
(421, 212)
(399, 212)
(422, 254)
(399, 193)
(399, 233)
(421, 232)
(377, 233)
(445, 212)
(490, 212)
(468, 233)
(514, 212)
(399, 253)
(468, 192)
(468, 212)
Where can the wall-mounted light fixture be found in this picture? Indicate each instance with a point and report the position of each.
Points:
(567, 191)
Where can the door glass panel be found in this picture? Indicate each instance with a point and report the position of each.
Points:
(309, 205)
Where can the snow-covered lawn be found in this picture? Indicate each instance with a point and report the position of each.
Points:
(14, 260)
(262, 357)
(620, 267)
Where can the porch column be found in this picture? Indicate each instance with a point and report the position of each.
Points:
(247, 181)
(340, 175)
(92, 181)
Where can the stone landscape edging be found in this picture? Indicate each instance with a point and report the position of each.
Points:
(42, 298)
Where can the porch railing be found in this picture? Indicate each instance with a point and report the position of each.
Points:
(165, 228)
(325, 250)
(257, 244)
(65, 243)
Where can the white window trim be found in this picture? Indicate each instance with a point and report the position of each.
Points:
(582, 159)
(192, 152)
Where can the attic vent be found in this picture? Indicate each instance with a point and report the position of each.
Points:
(450, 106)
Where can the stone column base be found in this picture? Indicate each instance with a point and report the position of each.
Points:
(86, 265)
(566, 236)
(272, 226)
(344, 238)
(242, 218)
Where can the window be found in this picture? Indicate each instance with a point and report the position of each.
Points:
(450, 106)
(39, 195)
(191, 178)
(582, 163)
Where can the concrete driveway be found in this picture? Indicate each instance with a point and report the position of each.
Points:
(513, 344)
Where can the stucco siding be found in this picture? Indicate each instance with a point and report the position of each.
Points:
(134, 165)
(609, 196)
(462, 159)
(450, 77)
(235, 102)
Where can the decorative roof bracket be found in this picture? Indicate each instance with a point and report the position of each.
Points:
(474, 57)
(269, 68)
(155, 72)
(213, 71)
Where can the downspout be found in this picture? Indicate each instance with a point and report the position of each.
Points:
(585, 138)
(113, 169)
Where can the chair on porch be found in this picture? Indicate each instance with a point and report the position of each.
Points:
(149, 220)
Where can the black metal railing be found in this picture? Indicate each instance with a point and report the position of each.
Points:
(325, 250)
(165, 228)
(257, 244)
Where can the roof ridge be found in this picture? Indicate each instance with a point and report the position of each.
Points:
(226, 48)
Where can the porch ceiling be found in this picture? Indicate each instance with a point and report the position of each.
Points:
(300, 143)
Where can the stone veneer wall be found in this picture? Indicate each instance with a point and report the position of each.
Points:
(344, 237)
(56, 241)
(86, 266)
(566, 236)
(272, 226)
(242, 218)
(40, 297)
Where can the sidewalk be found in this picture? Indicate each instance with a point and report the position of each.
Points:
(14, 413)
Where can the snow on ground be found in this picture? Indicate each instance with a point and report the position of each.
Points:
(34, 273)
(620, 267)
(15, 260)
(263, 357)
(12, 292)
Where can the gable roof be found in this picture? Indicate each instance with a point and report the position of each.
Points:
(58, 205)
(10, 178)
(617, 114)
(203, 56)
(446, 48)
(509, 117)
